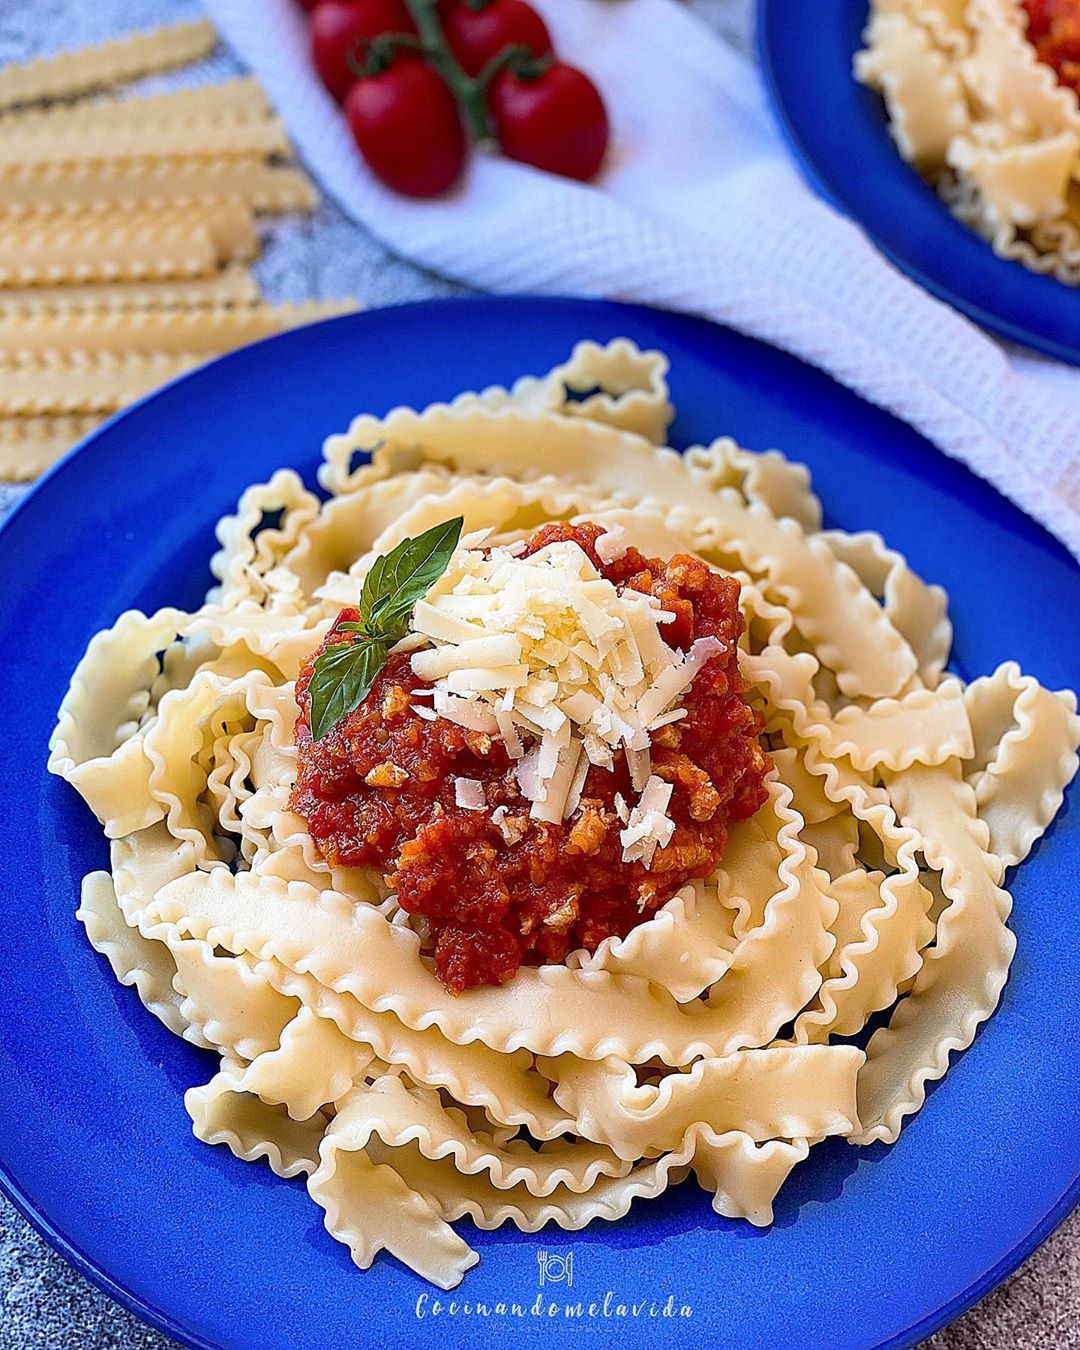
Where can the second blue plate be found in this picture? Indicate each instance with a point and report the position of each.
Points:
(838, 132)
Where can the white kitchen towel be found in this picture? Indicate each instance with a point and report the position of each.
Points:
(700, 209)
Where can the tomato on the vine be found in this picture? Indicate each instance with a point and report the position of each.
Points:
(554, 119)
(406, 124)
(475, 36)
(339, 30)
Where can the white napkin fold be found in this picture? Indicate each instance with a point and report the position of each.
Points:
(699, 210)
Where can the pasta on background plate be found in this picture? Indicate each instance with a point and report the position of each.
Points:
(982, 98)
(492, 1045)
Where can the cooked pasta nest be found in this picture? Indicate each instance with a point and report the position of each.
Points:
(974, 109)
(707, 1040)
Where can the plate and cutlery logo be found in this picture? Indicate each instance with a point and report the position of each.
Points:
(555, 1274)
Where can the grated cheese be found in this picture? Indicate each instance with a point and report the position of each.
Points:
(546, 653)
(469, 794)
(612, 544)
(649, 826)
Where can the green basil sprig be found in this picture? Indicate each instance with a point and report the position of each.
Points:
(345, 671)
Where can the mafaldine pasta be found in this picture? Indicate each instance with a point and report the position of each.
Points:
(982, 98)
(537, 817)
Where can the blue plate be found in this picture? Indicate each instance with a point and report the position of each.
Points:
(872, 1247)
(838, 131)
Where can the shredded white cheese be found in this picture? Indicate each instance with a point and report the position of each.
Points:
(469, 794)
(649, 826)
(570, 672)
(612, 544)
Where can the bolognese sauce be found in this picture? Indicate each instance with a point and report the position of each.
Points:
(496, 887)
(1054, 31)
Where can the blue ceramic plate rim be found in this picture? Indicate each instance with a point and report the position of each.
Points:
(1024, 302)
(529, 309)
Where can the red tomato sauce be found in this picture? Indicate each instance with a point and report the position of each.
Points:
(1054, 31)
(378, 791)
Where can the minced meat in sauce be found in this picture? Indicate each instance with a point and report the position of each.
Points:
(1054, 31)
(378, 791)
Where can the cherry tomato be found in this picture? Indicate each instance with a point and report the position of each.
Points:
(338, 31)
(556, 122)
(406, 124)
(476, 35)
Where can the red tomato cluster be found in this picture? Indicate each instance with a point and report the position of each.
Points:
(416, 77)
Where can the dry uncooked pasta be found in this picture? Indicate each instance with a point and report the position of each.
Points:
(973, 107)
(712, 1039)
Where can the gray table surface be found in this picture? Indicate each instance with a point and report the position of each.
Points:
(44, 1303)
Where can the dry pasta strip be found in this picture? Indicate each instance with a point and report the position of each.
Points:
(242, 96)
(211, 329)
(233, 285)
(28, 445)
(85, 382)
(106, 64)
(230, 223)
(124, 245)
(157, 182)
(783, 1093)
(217, 134)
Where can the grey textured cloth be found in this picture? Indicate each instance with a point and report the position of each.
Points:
(46, 1305)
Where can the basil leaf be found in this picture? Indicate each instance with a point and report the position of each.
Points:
(345, 671)
(405, 575)
(341, 680)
